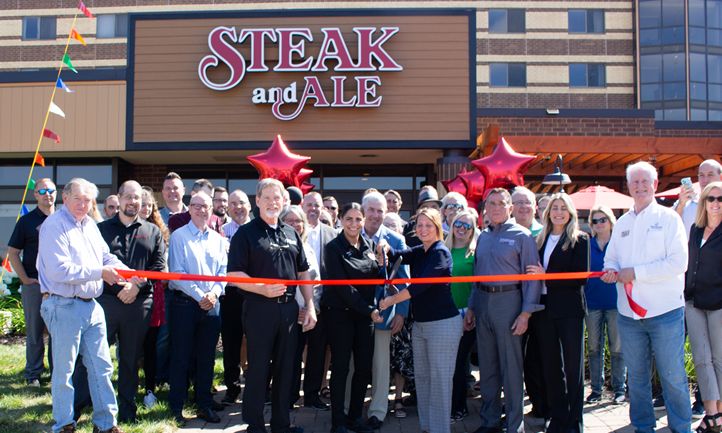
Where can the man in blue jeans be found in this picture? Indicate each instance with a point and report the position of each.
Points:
(73, 261)
(647, 258)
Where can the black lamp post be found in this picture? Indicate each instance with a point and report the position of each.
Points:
(558, 177)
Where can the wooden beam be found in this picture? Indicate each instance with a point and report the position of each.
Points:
(614, 144)
(597, 158)
(678, 165)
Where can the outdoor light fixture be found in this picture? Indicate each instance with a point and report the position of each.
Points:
(552, 111)
(558, 177)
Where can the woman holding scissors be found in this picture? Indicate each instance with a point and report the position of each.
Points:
(351, 313)
(437, 327)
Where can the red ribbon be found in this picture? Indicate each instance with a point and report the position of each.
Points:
(638, 309)
(154, 275)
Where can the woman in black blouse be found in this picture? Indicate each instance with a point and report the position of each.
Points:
(351, 313)
(437, 327)
(560, 331)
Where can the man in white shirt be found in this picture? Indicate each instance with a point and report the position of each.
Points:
(647, 258)
(709, 171)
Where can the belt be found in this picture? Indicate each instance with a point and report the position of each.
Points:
(182, 295)
(47, 295)
(499, 289)
(285, 298)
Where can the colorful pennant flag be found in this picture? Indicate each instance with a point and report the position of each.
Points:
(68, 63)
(84, 9)
(61, 85)
(24, 210)
(56, 110)
(6, 265)
(31, 184)
(51, 135)
(75, 35)
(39, 160)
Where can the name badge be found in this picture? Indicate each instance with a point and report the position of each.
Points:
(511, 242)
(625, 233)
(655, 228)
(291, 242)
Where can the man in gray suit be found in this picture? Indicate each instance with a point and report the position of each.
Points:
(318, 235)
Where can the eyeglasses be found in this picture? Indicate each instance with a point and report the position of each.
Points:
(199, 206)
(331, 208)
(46, 191)
(462, 224)
(601, 220)
(454, 206)
(521, 203)
(712, 199)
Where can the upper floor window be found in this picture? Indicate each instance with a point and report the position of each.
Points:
(35, 28)
(112, 26)
(587, 75)
(507, 75)
(586, 21)
(507, 21)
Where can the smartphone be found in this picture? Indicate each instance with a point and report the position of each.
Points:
(687, 183)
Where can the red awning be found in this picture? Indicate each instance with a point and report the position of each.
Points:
(597, 195)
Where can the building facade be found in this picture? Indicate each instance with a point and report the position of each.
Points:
(604, 83)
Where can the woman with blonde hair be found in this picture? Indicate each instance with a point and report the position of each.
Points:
(602, 312)
(461, 241)
(437, 327)
(703, 299)
(560, 331)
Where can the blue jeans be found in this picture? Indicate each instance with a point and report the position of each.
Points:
(78, 327)
(663, 337)
(596, 321)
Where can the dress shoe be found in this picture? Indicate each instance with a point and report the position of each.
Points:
(374, 423)
(218, 407)
(208, 415)
(317, 404)
(231, 396)
(114, 429)
(359, 427)
(70, 428)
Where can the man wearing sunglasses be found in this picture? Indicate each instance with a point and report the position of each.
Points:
(25, 239)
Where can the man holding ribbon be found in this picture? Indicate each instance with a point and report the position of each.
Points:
(647, 258)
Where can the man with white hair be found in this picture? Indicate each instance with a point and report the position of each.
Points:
(524, 209)
(73, 261)
(647, 258)
(709, 170)
(374, 205)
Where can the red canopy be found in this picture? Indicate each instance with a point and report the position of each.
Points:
(674, 192)
(597, 195)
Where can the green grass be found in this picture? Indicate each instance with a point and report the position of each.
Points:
(29, 410)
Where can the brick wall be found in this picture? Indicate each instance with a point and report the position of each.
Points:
(147, 175)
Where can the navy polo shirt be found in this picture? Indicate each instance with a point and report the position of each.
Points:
(25, 237)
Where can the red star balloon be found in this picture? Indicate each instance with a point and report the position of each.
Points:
(475, 186)
(307, 187)
(455, 185)
(504, 167)
(278, 162)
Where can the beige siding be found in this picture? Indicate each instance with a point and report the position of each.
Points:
(95, 117)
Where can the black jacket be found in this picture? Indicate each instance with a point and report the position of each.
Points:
(565, 298)
(704, 272)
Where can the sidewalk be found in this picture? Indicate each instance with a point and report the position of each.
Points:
(603, 417)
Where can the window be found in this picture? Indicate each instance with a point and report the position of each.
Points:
(507, 21)
(587, 75)
(586, 21)
(507, 75)
(112, 26)
(35, 28)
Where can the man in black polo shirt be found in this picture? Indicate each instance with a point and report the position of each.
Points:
(139, 245)
(25, 239)
(267, 248)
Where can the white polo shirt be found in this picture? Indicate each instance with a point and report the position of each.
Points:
(654, 243)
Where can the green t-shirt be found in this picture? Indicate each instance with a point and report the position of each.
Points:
(462, 266)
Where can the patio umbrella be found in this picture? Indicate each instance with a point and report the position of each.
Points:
(597, 195)
(674, 192)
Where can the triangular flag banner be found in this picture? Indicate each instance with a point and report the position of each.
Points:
(24, 210)
(68, 63)
(39, 160)
(6, 265)
(75, 35)
(85, 10)
(56, 110)
(31, 184)
(60, 85)
(51, 135)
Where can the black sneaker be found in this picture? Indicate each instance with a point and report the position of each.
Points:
(697, 410)
(594, 397)
(658, 403)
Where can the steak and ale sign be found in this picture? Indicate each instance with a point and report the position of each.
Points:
(288, 99)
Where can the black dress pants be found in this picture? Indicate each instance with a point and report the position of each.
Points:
(316, 341)
(563, 364)
(350, 334)
(533, 373)
(271, 337)
(458, 395)
(232, 336)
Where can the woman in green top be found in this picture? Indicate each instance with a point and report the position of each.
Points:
(461, 241)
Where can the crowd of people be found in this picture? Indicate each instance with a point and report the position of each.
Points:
(661, 271)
